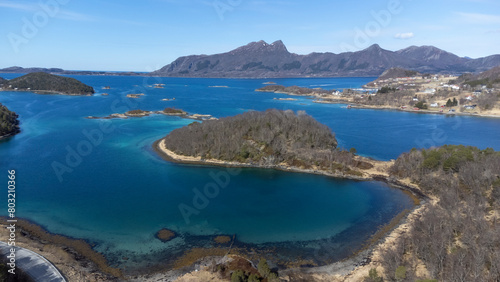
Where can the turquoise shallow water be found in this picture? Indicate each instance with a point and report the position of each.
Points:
(119, 193)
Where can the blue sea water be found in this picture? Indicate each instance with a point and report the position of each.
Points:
(118, 192)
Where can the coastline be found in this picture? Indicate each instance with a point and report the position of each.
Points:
(74, 258)
(168, 155)
(377, 173)
(7, 136)
(370, 107)
(320, 99)
(355, 267)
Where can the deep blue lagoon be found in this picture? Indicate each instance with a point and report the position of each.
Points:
(120, 192)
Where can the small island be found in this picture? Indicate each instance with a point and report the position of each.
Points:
(166, 111)
(285, 99)
(9, 124)
(272, 139)
(135, 96)
(44, 83)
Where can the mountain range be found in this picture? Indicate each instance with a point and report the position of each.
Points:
(263, 60)
(260, 59)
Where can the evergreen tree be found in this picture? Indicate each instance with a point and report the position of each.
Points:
(449, 103)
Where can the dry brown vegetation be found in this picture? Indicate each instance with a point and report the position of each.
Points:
(456, 238)
(271, 139)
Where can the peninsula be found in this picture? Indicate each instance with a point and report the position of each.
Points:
(44, 83)
(272, 139)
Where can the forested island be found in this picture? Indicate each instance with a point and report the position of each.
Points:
(44, 83)
(9, 124)
(274, 138)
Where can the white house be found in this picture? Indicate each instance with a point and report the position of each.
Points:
(431, 91)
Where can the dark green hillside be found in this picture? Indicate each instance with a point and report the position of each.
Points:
(2, 80)
(40, 81)
(267, 138)
(8, 121)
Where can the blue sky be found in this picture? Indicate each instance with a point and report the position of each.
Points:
(146, 35)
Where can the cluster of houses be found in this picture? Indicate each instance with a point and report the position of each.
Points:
(426, 78)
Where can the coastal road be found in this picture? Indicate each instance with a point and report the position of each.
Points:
(33, 264)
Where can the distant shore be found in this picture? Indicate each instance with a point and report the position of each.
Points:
(321, 99)
(491, 114)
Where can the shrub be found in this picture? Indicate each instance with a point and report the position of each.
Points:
(263, 268)
(373, 276)
(273, 277)
(400, 273)
(421, 105)
(238, 276)
(254, 278)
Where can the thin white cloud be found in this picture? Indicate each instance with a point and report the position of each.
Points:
(73, 16)
(17, 6)
(477, 18)
(61, 13)
(406, 35)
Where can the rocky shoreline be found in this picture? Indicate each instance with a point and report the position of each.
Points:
(141, 113)
(75, 258)
(159, 147)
